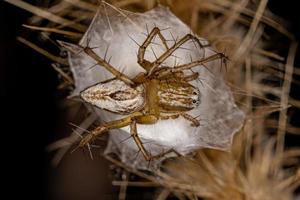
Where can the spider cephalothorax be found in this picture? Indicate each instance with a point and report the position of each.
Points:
(160, 93)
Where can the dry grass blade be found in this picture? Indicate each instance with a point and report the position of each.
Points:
(217, 5)
(68, 79)
(289, 128)
(269, 54)
(123, 187)
(285, 98)
(135, 184)
(163, 195)
(124, 3)
(216, 175)
(43, 52)
(57, 9)
(250, 35)
(83, 5)
(47, 15)
(54, 30)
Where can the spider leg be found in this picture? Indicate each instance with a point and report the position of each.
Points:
(170, 51)
(190, 118)
(199, 62)
(107, 66)
(186, 78)
(146, 154)
(178, 75)
(126, 121)
(191, 77)
(166, 117)
(134, 134)
(141, 53)
(106, 127)
(192, 64)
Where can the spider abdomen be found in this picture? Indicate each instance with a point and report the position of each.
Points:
(115, 96)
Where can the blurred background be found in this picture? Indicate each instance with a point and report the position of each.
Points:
(33, 118)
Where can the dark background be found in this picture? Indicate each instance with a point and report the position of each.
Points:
(29, 104)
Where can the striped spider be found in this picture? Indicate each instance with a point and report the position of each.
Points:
(161, 93)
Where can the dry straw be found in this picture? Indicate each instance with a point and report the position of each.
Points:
(258, 167)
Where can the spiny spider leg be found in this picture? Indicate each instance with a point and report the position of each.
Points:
(170, 51)
(178, 76)
(166, 117)
(141, 53)
(190, 118)
(107, 66)
(192, 64)
(191, 77)
(126, 121)
(134, 134)
(104, 128)
(186, 116)
(146, 154)
(199, 62)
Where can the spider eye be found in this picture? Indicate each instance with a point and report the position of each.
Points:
(194, 101)
(194, 93)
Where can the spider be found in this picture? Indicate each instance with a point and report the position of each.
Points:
(160, 93)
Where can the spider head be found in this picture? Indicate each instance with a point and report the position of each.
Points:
(115, 96)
